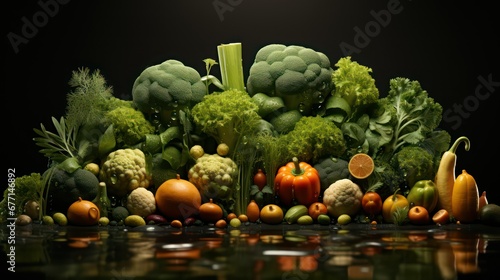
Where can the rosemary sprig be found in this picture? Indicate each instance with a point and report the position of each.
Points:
(57, 147)
(400, 216)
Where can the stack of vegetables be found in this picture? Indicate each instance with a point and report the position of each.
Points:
(279, 148)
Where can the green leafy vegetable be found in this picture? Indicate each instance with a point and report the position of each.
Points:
(61, 146)
(27, 187)
(227, 116)
(314, 138)
(130, 126)
(353, 84)
(415, 115)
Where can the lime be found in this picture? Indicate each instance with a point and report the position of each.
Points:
(235, 222)
(343, 219)
(324, 219)
(47, 220)
(305, 220)
(103, 221)
(134, 221)
(60, 218)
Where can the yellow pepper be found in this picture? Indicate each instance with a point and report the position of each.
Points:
(465, 199)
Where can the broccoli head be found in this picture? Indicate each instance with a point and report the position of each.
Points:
(301, 76)
(385, 179)
(129, 125)
(314, 138)
(332, 169)
(414, 163)
(167, 88)
(65, 188)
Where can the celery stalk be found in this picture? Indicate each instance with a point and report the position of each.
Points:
(231, 66)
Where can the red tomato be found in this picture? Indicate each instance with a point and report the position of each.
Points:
(371, 203)
(418, 215)
(316, 209)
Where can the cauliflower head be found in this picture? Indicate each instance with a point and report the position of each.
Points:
(214, 176)
(124, 170)
(343, 197)
(142, 202)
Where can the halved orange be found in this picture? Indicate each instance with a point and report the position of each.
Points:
(361, 166)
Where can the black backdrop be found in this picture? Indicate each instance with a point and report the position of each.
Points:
(450, 47)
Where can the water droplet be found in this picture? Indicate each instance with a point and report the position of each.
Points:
(302, 107)
(173, 116)
(112, 200)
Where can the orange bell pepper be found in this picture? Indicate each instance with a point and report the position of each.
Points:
(297, 183)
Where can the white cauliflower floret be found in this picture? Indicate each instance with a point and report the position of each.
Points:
(124, 171)
(343, 197)
(214, 176)
(142, 202)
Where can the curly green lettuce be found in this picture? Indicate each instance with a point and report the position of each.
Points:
(413, 113)
(314, 138)
(227, 116)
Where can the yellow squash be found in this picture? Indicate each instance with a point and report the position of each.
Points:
(465, 199)
(445, 175)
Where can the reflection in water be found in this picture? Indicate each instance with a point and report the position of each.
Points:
(256, 252)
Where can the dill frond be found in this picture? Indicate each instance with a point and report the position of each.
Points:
(87, 103)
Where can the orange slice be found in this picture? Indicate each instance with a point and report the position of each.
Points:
(361, 166)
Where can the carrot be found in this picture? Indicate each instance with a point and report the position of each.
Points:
(445, 175)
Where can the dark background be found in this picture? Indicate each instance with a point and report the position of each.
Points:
(445, 45)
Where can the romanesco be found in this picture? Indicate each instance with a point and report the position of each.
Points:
(214, 176)
(124, 171)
